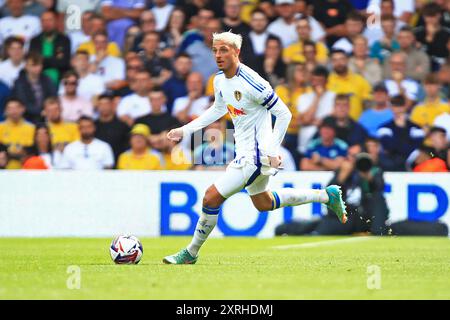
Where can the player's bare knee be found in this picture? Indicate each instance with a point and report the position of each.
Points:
(212, 198)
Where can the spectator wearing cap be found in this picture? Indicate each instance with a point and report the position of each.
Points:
(354, 25)
(313, 106)
(360, 63)
(53, 46)
(136, 104)
(347, 129)
(121, 15)
(140, 156)
(443, 121)
(284, 26)
(14, 62)
(295, 52)
(437, 139)
(399, 83)
(325, 152)
(400, 136)
(18, 23)
(32, 87)
(424, 114)
(380, 112)
(433, 36)
(88, 153)
(15, 132)
(381, 49)
(157, 119)
(344, 81)
(73, 105)
(109, 128)
(417, 61)
(62, 132)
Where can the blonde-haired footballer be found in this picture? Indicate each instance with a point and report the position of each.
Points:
(251, 101)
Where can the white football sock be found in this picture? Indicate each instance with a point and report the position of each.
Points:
(205, 225)
(294, 197)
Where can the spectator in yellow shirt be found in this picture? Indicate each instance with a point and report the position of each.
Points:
(97, 24)
(15, 132)
(343, 81)
(62, 133)
(425, 113)
(140, 156)
(295, 52)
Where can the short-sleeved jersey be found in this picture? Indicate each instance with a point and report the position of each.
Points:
(248, 98)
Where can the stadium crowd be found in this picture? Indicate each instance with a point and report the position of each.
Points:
(97, 84)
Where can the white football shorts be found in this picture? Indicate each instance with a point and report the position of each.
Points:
(243, 174)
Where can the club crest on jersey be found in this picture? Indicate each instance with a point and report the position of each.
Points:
(237, 95)
(234, 112)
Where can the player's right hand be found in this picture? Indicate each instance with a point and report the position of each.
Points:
(175, 134)
(275, 162)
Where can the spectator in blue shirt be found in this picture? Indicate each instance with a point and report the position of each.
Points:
(121, 15)
(175, 87)
(380, 113)
(326, 152)
(400, 137)
(388, 44)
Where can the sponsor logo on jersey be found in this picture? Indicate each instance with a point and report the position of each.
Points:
(234, 112)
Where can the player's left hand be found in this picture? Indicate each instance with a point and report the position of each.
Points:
(275, 162)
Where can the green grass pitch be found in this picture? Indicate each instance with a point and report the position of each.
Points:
(231, 268)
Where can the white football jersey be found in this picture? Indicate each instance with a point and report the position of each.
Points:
(250, 101)
(248, 98)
